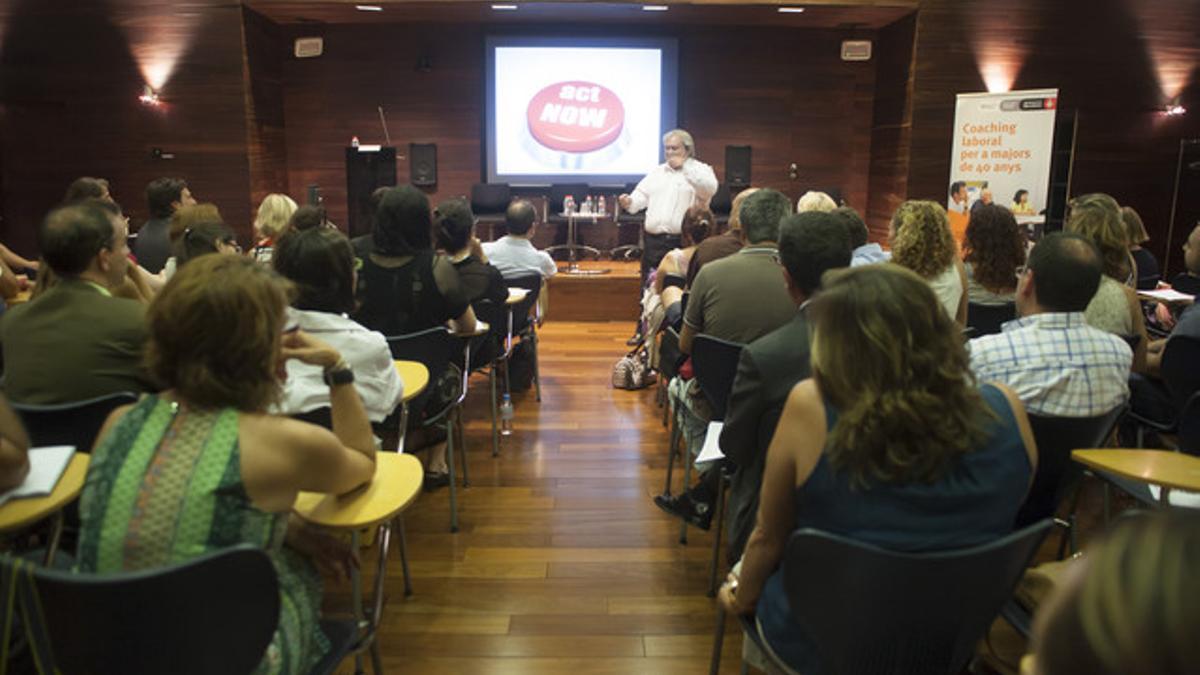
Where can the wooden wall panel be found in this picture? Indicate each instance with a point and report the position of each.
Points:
(266, 139)
(69, 82)
(816, 111)
(891, 131)
(1106, 58)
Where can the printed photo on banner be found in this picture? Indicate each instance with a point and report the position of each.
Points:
(1001, 154)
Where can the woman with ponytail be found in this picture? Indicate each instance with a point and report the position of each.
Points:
(698, 224)
(892, 442)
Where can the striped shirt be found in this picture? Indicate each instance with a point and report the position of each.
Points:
(1057, 364)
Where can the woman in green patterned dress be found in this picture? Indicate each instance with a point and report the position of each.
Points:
(201, 466)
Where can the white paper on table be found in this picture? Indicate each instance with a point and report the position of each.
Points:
(46, 466)
(1190, 500)
(1167, 295)
(711, 451)
(517, 294)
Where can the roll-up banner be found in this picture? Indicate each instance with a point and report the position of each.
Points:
(1002, 151)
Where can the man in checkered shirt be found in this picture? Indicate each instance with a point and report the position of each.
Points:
(1057, 364)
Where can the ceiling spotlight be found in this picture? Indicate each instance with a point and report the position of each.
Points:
(368, 8)
(1174, 110)
(149, 96)
(790, 10)
(504, 8)
(654, 8)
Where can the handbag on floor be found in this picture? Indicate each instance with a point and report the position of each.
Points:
(632, 371)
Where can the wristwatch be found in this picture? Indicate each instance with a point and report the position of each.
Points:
(339, 374)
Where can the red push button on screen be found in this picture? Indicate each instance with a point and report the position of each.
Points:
(575, 116)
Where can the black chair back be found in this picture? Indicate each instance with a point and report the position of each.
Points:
(715, 363)
(435, 348)
(669, 356)
(490, 198)
(987, 319)
(521, 310)
(486, 348)
(871, 611)
(213, 614)
(1056, 437)
(1181, 368)
(322, 417)
(74, 423)
(560, 191)
(1189, 426)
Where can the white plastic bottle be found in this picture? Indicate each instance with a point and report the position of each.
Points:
(506, 416)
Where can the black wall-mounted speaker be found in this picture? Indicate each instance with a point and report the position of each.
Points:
(422, 164)
(737, 165)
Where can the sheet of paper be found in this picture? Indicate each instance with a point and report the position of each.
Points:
(1167, 295)
(46, 466)
(1182, 498)
(711, 451)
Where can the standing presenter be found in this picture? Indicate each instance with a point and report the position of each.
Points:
(667, 192)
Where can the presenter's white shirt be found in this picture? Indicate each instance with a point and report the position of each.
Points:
(366, 352)
(516, 256)
(668, 193)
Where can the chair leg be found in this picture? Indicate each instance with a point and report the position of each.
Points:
(403, 555)
(720, 523)
(671, 442)
(714, 666)
(56, 530)
(537, 377)
(495, 429)
(356, 598)
(452, 481)
(462, 447)
(383, 539)
(685, 455)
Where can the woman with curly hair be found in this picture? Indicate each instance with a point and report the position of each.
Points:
(891, 443)
(994, 249)
(921, 241)
(1115, 308)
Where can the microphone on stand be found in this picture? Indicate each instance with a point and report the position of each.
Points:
(383, 122)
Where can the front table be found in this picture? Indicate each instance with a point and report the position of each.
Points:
(394, 487)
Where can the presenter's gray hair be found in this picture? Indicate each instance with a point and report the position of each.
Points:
(685, 138)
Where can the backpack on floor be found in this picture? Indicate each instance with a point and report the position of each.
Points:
(632, 371)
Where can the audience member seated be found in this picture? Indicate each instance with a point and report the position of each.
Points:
(1121, 609)
(985, 199)
(320, 262)
(1187, 281)
(815, 201)
(993, 250)
(454, 227)
(739, 298)
(1115, 307)
(14, 448)
(864, 252)
(514, 254)
(1145, 266)
(184, 218)
(272, 218)
(722, 245)
(76, 341)
(1148, 395)
(17, 262)
(891, 443)
(698, 224)
(1020, 205)
(308, 217)
(164, 196)
(809, 245)
(201, 466)
(1057, 364)
(921, 241)
(84, 188)
(205, 238)
(404, 286)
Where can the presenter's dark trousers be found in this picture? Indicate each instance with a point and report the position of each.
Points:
(657, 246)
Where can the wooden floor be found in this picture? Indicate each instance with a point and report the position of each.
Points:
(562, 564)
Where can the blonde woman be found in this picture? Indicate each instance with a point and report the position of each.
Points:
(273, 215)
(922, 242)
(1115, 308)
(891, 443)
(1127, 607)
(815, 201)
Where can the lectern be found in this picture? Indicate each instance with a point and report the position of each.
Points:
(367, 168)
